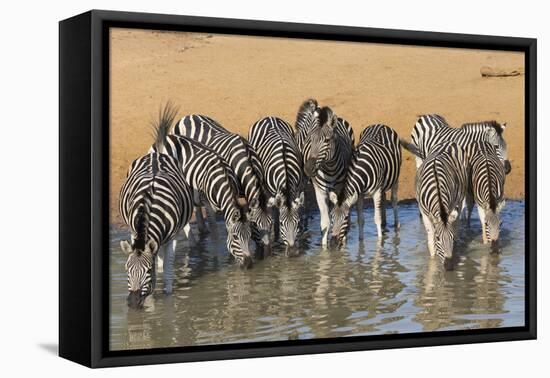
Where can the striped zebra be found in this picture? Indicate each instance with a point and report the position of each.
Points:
(326, 143)
(273, 140)
(486, 189)
(432, 129)
(238, 153)
(155, 203)
(374, 169)
(209, 175)
(441, 184)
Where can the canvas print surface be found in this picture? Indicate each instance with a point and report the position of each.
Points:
(266, 189)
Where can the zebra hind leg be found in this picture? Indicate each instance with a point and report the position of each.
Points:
(383, 211)
(377, 199)
(430, 233)
(168, 274)
(360, 216)
(396, 223)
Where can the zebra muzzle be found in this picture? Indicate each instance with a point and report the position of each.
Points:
(448, 263)
(495, 248)
(135, 299)
(507, 166)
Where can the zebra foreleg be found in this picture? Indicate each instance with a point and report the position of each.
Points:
(482, 217)
(430, 233)
(360, 216)
(168, 274)
(383, 210)
(322, 202)
(211, 215)
(378, 200)
(200, 220)
(396, 223)
(189, 234)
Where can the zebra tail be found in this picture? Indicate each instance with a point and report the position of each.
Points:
(411, 148)
(161, 127)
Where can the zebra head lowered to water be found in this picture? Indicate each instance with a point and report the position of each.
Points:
(211, 176)
(156, 203)
(440, 190)
(244, 162)
(326, 143)
(273, 140)
(374, 169)
(487, 177)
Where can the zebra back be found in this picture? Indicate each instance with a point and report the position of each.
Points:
(155, 200)
(441, 181)
(233, 148)
(431, 130)
(376, 163)
(487, 175)
(198, 127)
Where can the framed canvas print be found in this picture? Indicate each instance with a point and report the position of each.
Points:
(234, 188)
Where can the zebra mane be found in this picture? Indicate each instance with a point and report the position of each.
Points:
(494, 124)
(162, 125)
(141, 227)
(492, 199)
(442, 211)
(325, 115)
(306, 107)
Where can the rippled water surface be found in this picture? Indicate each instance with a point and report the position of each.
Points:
(367, 288)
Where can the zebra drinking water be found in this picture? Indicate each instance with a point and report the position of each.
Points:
(441, 184)
(432, 129)
(326, 143)
(214, 179)
(487, 177)
(155, 203)
(238, 153)
(273, 140)
(374, 169)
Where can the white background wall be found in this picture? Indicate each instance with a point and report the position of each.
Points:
(29, 189)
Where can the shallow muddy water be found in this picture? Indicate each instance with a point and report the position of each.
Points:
(367, 288)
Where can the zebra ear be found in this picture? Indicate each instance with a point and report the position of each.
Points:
(126, 247)
(271, 202)
(301, 198)
(503, 126)
(333, 198)
(151, 247)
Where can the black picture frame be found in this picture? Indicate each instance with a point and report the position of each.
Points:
(84, 179)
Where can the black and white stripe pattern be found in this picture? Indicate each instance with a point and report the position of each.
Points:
(273, 140)
(374, 169)
(326, 143)
(486, 189)
(213, 178)
(441, 184)
(432, 129)
(238, 153)
(156, 203)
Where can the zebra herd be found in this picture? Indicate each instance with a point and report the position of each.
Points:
(258, 184)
